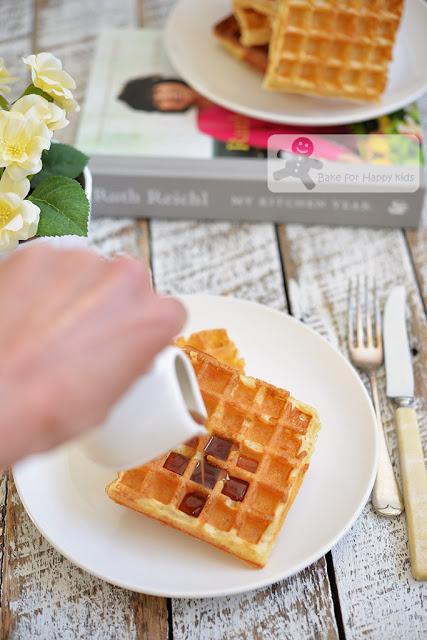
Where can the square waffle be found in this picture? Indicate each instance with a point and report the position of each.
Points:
(227, 32)
(337, 48)
(255, 27)
(254, 460)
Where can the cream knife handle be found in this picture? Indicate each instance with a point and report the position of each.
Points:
(385, 497)
(414, 480)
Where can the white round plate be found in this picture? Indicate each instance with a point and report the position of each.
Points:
(64, 493)
(206, 66)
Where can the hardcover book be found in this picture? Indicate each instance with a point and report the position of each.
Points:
(160, 149)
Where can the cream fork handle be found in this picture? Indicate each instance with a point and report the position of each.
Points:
(414, 480)
(385, 497)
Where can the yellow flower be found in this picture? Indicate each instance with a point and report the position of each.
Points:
(22, 140)
(41, 109)
(19, 218)
(5, 78)
(47, 74)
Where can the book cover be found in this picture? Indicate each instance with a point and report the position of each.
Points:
(159, 149)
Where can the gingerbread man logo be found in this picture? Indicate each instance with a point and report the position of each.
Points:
(301, 163)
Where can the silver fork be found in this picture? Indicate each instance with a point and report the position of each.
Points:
(366, 352)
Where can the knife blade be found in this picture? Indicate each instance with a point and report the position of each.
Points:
(398, 358)
(400, 387)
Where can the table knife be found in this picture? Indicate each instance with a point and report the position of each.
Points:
(401, 388)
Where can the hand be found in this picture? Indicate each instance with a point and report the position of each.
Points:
(75, 331)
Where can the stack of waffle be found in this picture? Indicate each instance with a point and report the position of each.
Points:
(332, 48)
(234, 487)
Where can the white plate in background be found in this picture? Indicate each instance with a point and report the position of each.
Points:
(200, 60)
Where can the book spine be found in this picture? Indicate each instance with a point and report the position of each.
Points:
(241, 200)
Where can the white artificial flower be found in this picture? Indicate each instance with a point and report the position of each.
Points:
(39, 108)
(5, 78)
(19, 218)
(22, 140)
(47, 74)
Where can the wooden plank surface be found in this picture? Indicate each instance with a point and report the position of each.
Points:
(417, 240)
(241, 261)
(43, 595)
(378, 596)
(15, 42)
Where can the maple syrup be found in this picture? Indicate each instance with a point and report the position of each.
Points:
(235, 488)
(176, 462)
(206, 474)
(218, 447)
(193, 503)
(197, 417)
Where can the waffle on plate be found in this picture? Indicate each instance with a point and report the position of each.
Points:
(255, 27)
(328, 48)
(233, 487)
(228, 33)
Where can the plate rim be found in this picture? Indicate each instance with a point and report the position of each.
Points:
(374, 110)
(264, 582)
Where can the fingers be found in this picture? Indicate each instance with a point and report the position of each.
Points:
(78, 331)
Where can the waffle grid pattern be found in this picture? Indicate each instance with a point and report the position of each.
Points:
(265, 7)
(264, 429)
(255, 27)
(330, 47)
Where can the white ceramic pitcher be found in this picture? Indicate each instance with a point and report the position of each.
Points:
(156, 414)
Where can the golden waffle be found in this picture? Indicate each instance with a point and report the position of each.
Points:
(264, 7)
(255, 459)
(216, 343)
(267, 7)
(255, 27)
(228, 33)
(338, 48)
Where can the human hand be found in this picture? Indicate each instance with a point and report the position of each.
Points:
(75, 331)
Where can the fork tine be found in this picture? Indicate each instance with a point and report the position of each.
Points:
(350, 317)
(378, 325)
(368, 313)
(359, 312)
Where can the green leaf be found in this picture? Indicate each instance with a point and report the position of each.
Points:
(60, 160)
(39, 92)
(64, 207)
(4, 103)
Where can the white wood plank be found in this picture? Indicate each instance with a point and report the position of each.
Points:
(221, 258)
(290, 610)
(378, 596)
(241, 261)
(15, 41)
(417, 240)
(80, 20)
(16, 21)
(43, 595)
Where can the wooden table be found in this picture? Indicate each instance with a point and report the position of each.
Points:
(363, 587)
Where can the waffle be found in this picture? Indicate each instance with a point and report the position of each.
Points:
(216, 343)
(337, 48)
(255, 458)
(255, 27)
(228, 33)
(267, 7)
